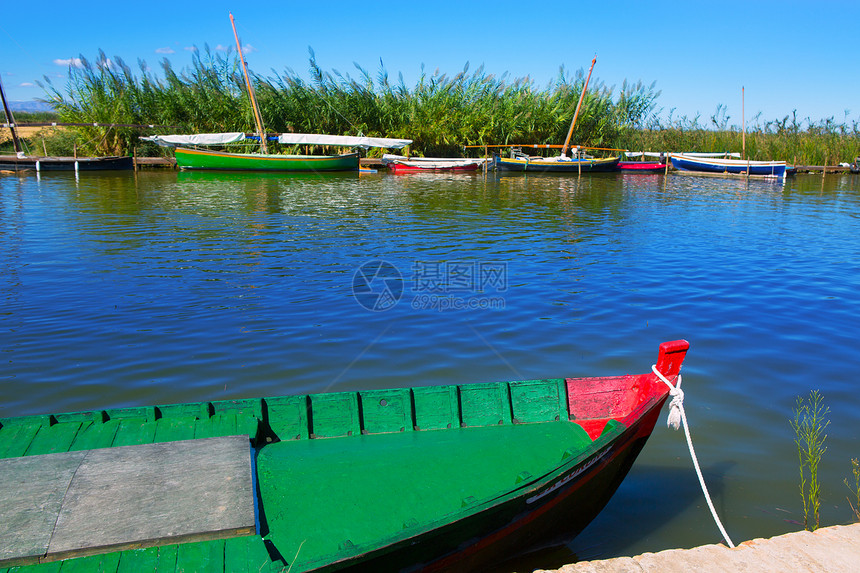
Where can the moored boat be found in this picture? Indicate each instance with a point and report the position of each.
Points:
(698, 163)
(579, 163)
(196, 158)
(54, 163)
(23, 162)
(191, 152)
(401, 164)
(421, 478)
(641, 166)
(556, 164)
(187, 158)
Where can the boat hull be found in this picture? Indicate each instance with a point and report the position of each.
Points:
(728, 166)
(218, 160)
(401, 164)
(551, 166)
(412, 168)
(553, 513)
(641, 167)
(115, 163)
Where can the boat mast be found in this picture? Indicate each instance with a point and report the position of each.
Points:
(744, 128)
(11, 121)
(257, 117)
(576, 113)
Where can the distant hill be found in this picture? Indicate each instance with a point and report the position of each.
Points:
(30, 106)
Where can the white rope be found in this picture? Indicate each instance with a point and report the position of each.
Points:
(676, 416)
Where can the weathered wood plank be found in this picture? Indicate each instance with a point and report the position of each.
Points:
(31, 495)
(125, 497)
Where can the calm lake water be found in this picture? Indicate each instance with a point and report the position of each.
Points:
(163, 287)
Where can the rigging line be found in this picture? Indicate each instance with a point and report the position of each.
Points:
(677, 418)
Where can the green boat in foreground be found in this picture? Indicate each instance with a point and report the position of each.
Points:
(408, 479)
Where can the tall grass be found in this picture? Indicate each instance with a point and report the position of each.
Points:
(854, 488)
(440, 113)
(807, 142)
(809, 423)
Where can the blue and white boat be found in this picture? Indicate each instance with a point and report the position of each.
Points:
(702, 164)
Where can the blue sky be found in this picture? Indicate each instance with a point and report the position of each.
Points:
(787, 55)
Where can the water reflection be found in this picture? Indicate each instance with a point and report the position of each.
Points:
(161, 287)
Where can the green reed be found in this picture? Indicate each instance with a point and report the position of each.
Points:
(806, 142)
(854, 488)
(441, 114)
(810, 421)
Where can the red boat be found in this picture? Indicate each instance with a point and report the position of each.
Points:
(642, 166)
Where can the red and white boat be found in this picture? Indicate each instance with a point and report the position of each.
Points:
(401, 164)
(642, 165)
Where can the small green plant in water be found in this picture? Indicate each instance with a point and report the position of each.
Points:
(854, 488)
(810, 421)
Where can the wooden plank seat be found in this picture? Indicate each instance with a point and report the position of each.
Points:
(72, 504)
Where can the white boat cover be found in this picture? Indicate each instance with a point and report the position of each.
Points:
(688, 154)
(197, 139)
(426, 161)
(344, 140)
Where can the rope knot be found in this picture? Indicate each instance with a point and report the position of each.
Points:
(675, 406)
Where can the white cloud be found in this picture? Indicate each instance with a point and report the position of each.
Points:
(26, 85)
(190, 48)
(74, 62)
(165, 51)
(246, 48)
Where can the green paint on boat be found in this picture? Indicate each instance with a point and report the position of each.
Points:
(332, 499)
(219, 160)
(449, 476)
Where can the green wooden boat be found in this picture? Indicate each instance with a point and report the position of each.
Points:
(409, 479)
(206, 159)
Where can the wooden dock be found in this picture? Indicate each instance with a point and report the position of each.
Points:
(829, 549)
(822, 169)
(162, 162)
